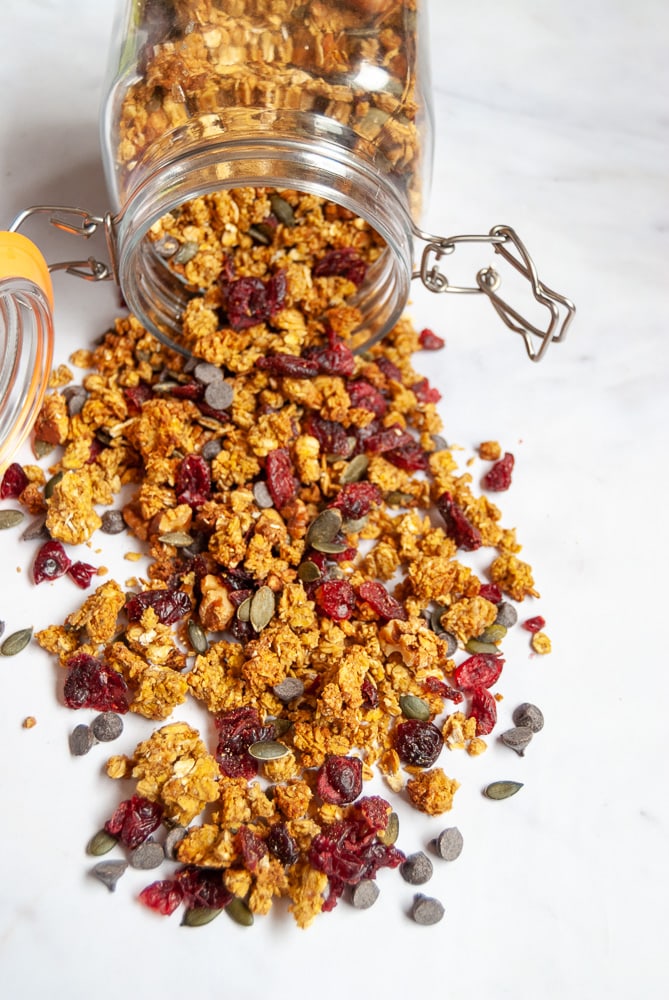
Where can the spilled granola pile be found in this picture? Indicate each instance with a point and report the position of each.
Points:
(305, 524)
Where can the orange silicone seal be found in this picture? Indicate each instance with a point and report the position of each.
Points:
(20, 258)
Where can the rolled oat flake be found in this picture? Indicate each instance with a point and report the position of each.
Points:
(417, 869)
(364, 894)
(449, 843)
(109, 872)
(107, 726)
(426, 910)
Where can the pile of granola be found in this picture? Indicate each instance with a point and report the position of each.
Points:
(305, 525)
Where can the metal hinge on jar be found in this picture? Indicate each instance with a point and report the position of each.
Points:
(504, 241)
(77, 222)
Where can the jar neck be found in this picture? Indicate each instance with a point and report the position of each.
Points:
(224, 152)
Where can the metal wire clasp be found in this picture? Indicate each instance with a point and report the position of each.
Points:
(505, 242)
(77, 222)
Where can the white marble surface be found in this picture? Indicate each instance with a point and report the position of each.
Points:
(551, 118)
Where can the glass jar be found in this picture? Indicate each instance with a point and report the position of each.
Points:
(327, 97)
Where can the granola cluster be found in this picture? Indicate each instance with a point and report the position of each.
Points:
(306, 528)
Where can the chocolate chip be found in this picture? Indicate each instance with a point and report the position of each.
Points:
(107, 726)
(364, 894)
(448, 844)
(81, 740)
(417, 869)
(426, 910)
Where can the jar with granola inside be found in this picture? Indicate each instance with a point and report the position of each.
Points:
(259, 150)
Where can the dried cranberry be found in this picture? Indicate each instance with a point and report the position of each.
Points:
(193, 481)
(281, 844)
(491, 592)
(389, 369)
(82, 573)
(276, 292)
(51, 562)
(14, 481)
(410, 457)
(281, 481)
(237, 597)
(337, 359)
(135, 396)
(435, 686)
(331, 435)
(498, 477)
(91, 684)
(170, 606)
(340, 779)
(372, 811)
(348, 555)
(202, 887)
(134, 820)
(369, 693)
(237, 730)
(246, 303)
(188, 390)
(458, 527)
(480, 670)
(364, 396)
(344, 263)
(380, 601)
(336, 599)
(289, 365)
(418, 743)
(429, 340)
(251, 847)
(534, 624)
(354, 500)
(163, 896)
(388, 439)
(424, 392)
(483, 708)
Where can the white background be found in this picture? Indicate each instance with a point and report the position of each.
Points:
(551, 118)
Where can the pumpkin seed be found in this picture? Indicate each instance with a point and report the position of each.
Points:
(109, 872)
(268, 750)
(186, 252)
(476, 646)
(263, 605)
(529, 715)
(426, 910)
(308, 572)
(211, 449)
(353, 526)
(449, 843)
(281, 726)
(238, 911)
(261, 233)
(331, 548)
(199, 916)
(180, 539)
(282, 209)
(101, 843)
(517, 739)
(244, 610)
(413, 707)
(51, 484)
(10, 518)
(197, 637)
(16, 642)
(502, 789)
(392, 831)
(42, 448)
(355, 469)
(493, 633)
(324, 529)
(364, 894)
(397, 498)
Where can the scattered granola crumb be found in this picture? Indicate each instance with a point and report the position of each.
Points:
(29, 722)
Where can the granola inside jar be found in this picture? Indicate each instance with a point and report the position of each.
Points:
(281, 98)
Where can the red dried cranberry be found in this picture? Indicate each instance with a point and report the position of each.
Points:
(458, 527)
(339, 779)
(388, 439)
(380, 601)
(354, 500)
(170, 606)
(251, 847)
(246, 303)
(14, 481)
(369, 693)
(337, 359)
(331, 435)
(429, 340)
(348, 555)
(535, 624)
(491, 592)
(498, 477)
(344, 263)
(336, 599)
(483, 708)
(281, 481)
(134, 820)
(373, 812)
(237, 730)
(410, 457)
(163, 896)
(188, 390)
(193, 481)
(82, 573)
(95, 449)
(276, 292)
(389, 369)
(135, 396)
(434, 686)
(480, 670)
(364, 396)
(418, 743)
(51, 562)
(281, 844)
(202, 887)
(91, 684)
(289, 365)
(424, 392)
(238, 597)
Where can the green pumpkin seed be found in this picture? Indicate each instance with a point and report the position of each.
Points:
(51, 484)
(413, 707)
(493, 633)
(238, 911)
(283, 210)
(244, 610)
(186, 252)
(268, 750)
(397, 498)
(353, 526)
(15, 642)
(197, 638)
(263, 606)
(308, 572)
(261, 233)
(355, 470)
(281, 726)
(101, 843)
(502, 789)
(392, 831)
(476, 646)
(180, 539)
(331, 548)
(324, 529)
(199, 916)
(10, 518)
(42, 448)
